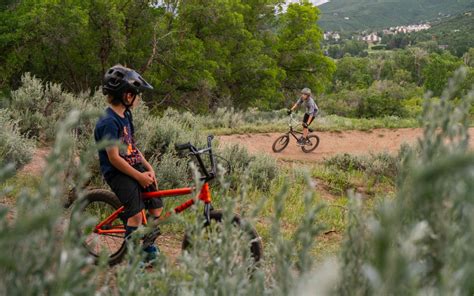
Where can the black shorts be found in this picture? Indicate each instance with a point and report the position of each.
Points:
(306, 117)
(128, 191)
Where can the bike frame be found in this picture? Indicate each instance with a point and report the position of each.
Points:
(292, 132)
(104, 226)
(204, 196)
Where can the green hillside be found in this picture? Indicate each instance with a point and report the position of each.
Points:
(355, 15)
(454, 32)
(462, 22)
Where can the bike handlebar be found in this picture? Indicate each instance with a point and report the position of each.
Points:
(197, 153)
(183, 146)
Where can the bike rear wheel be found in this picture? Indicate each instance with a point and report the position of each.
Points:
(314, 143)
(254, 240)
(100, 204)
(281, 143)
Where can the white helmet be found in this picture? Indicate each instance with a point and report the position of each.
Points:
(306, 91)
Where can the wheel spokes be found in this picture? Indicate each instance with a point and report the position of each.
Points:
(110, 243)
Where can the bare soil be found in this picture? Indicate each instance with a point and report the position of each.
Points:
(332, 143)
(38, 162)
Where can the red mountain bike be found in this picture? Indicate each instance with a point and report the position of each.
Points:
(109, 234)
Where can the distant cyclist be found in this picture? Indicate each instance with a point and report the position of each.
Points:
(311, 110)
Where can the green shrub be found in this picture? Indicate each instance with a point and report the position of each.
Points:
(379, 105)
(379, 47)
(383, 98)
(238, 156)
(413, 106)
(156, 135)
(420, 242)
(171, 171)
(337, 180)
(28, 106)
(374, 165)
(14, 147)
(346, 162)
(224, 117)
(38, 107)
(254, 116)
(343, 103)
(382, 165)
(262, 171)
(41, 252)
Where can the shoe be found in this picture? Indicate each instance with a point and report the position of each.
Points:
(151, 253)
(307, 142)
(300, 142)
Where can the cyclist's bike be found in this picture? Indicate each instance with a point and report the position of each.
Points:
(108, 235)
(282, 142)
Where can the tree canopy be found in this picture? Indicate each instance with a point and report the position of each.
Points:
(197, 53)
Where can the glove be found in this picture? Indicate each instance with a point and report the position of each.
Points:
(305, 125)
(289, 111)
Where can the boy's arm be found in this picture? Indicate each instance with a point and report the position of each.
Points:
(145, 179)
(149, 168)
(146, 163)
(296, 105)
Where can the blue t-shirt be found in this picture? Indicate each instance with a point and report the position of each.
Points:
(111, 126)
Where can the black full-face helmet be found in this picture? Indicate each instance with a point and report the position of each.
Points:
(119, 80)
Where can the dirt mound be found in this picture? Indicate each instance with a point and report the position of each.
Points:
(332, 143)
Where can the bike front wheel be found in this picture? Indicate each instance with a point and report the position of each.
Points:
(313, 144)
(281, 143)
(250, 234)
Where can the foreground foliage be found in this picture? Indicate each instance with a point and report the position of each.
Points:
(420, 241)
(417, 243)
(14, 147)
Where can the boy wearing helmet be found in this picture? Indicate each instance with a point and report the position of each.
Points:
(311, 111)
(126, 171)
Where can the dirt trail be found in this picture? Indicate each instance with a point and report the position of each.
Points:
(332, 143)
(38, 162)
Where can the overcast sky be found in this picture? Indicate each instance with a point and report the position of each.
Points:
(315, 2)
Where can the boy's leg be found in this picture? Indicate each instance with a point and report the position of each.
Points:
(128, 192)
(156, 212)
(308, 123)
(132, 224)
(155, 207)
(301, 141)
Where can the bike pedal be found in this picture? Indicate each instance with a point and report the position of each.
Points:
(149, 238)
